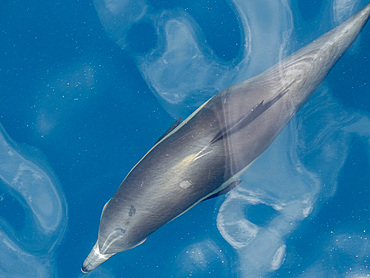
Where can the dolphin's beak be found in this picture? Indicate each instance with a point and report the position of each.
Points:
(94, 259)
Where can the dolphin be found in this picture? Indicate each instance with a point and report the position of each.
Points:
(203, 156)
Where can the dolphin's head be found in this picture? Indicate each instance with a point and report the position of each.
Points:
(114, 235)
(104, 248)
(94, 259)
(114, 244)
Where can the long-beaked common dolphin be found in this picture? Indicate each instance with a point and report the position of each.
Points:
(204, 155)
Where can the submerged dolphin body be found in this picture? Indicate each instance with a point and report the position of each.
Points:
(203, 156)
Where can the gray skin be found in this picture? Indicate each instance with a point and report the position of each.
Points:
(203, 156)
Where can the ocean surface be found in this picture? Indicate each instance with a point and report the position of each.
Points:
(87, 88)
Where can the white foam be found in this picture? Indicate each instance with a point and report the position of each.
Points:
(45, 211)
(182, 70)
(278, 257)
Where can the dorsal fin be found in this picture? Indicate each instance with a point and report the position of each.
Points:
(172, 127)
(225, 190)
(257, 110)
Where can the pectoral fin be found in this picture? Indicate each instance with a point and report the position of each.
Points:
(225, 190)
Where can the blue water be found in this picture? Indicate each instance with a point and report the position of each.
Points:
(86, 89)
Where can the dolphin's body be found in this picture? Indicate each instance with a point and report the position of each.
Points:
(203, 156)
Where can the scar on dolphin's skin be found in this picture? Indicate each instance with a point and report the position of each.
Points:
(132, 210)
(185, 184)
